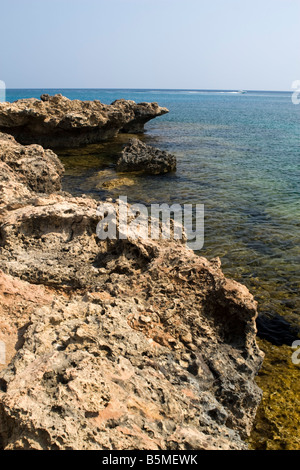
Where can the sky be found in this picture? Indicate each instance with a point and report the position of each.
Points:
(183, 44)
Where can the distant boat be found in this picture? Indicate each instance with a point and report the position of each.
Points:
(239, 92)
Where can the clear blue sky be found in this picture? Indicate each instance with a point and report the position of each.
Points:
(213, 44)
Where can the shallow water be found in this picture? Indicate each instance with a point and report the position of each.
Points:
(239, 155)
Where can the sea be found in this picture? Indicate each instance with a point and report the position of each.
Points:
(239, 155)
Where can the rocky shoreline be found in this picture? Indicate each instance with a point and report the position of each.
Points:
(57, 122)
(120, 344)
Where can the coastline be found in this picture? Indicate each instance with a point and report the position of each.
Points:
(188, 335)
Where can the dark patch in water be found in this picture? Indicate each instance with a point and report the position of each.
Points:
(276, 330)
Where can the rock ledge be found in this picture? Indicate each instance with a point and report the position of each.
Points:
(56, 121)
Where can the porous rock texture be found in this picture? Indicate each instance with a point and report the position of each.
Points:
(26, 169)
(117, 344)
(137, 156)
(56, 121)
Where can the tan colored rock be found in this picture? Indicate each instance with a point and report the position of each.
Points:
(18, 300)
(85, 379)
(27, 168)
(56, 121)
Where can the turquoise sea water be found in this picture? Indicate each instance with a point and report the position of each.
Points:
(239, 154)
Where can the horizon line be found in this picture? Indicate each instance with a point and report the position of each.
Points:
(155, 89)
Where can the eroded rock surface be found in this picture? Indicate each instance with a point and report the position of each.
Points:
(26, 169)
(137, 156)
(56, 121)
(121, 344)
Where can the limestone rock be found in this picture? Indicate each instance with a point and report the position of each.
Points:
(18, 300)
(56, 121)
(90, 377)
(24, 169)
(138, 156)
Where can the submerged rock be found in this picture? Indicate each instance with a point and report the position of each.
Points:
(116, 183)
(137, 156)
(56, 121)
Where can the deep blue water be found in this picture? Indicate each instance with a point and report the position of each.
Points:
(239, 154)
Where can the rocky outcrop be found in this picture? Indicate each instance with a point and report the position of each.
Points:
(110, 372)
(56, 121)
(137, 156)
(26, 169)
(116, 344)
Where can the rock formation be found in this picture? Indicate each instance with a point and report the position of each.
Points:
(25, 169)
(137, 156)
(115, 344)
(56, 121)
